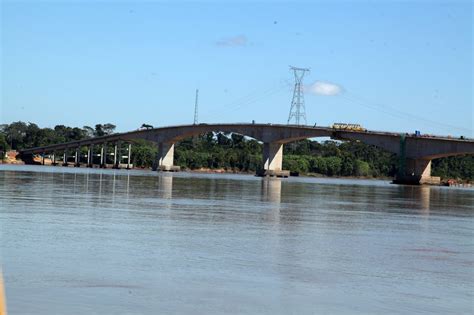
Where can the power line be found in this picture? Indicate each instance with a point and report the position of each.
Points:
(354, 99)
(251, 98)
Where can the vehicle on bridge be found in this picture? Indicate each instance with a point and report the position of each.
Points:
(145, 127)
(352, 127)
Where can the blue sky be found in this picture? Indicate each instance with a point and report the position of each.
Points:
(396, 66)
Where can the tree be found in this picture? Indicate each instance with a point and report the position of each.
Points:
(108, 128)
(3, 145)
(99, 132)
(15, 134)
(318, 165)
(143, 154)
(362, 168)
(333, 165)
(88, 131)
(77, 134)
(103, 130)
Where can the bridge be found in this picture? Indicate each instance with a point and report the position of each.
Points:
(414, 151)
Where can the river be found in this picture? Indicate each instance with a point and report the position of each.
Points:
(91, 241)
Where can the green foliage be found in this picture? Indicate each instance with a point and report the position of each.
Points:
(457, 167)
(21, 135)
(103, 130)
(3, 146)
(318, 165)
(333, 158)
(239, 153)
(219, 150)
(334, 165)
(362, 168)
(296, 163)
(143, 154)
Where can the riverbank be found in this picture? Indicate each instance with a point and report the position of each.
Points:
(444, 182)
(316, 175)
(11, 158)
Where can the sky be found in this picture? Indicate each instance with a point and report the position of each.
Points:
(394, 66)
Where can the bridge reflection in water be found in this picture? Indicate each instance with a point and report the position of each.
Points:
(277, 199)
(165, 186)
(425, 194)
(271, 194)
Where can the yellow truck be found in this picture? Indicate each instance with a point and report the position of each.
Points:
(351, 127)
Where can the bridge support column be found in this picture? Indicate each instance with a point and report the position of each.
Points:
(53, 159)
(165, 158)
(65, 158)
(273, 160)
(90, 156)
(77, 157)
(129, 156)
(42, 158)
(117, 155)
(417, 172)
(103, 156)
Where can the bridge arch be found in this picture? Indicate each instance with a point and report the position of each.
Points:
(261, 132)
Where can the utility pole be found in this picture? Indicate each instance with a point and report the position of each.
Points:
(297, 110)
(196, 107)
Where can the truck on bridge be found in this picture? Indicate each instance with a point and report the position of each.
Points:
(345, 126)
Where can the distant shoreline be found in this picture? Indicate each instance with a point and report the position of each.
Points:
(444, 182)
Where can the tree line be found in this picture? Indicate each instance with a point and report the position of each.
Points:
(235, 152)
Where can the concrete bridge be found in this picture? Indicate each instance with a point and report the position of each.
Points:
(415, 152)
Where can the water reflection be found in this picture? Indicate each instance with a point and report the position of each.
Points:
(271, 193)
(271, 190)
(236, 239)
(100, 185)
(165, 186)
(425, 193)
(128, 186)
(417, 197)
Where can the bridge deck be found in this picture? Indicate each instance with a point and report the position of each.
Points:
(137, 134)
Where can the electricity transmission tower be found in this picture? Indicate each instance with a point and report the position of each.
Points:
(297, 110)
(196, 108)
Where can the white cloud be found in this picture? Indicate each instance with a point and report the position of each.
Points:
(234, 41)
(324, 88)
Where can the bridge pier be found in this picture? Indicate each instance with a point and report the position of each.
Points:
(65, 158)
(165, 158)
(117, 155)
(103, 156)
(53, 159)
(77, 157)
(129, 156)
(90, 156)
(273, 160)
(416, 172)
